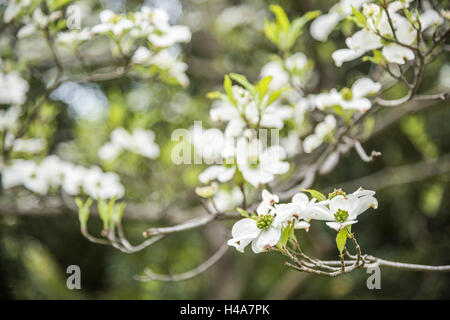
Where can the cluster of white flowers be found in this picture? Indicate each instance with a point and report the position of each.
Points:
(37, 21)
(239, 151)
(322, 132)
(245, 111)
(13, 88)
(140, 141)
(264, 229)
(14, 8)
(386, 29)
(322, 26)
(353, 98)
(33, 145)
(165, 60)
(294, 69)
(53, 173)
(151, 24)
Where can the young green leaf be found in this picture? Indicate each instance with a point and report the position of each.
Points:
(243, 212)
(341, 239)
(285, 235)
(242, 80)
(360, 18)
(298, 25)
(263, 86)
(281, 17)
(227, 85)
(316, 194)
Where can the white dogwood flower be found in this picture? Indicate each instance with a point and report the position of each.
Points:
(13, 88)
(378, 26)
(258, 165)
(140, 141)
(344, 209)
(350, 99)
(226, 200)
(323, 130)
(323, 25)
(264, 230)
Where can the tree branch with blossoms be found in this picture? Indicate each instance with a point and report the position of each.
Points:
(309, 129)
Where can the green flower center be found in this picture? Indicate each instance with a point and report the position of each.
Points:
(346, 94)
(264, 221)
(341, 215)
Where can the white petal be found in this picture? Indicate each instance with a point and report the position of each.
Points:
(311, 143)
(395, 53)
(302, 225)
(227, 174)
(284, 213)
(338, 226)
(316, 211)
(257, 177)
(263, 208)
(245, 228)
(268, 197)
(210, 174)
(266, 239)
(340, 202)
(363, 40)
(429, 18)
(239, 244)
(361, 104)
(343, 55)
(405, 31)
(364, 87)
(322, 26)
(300, 199)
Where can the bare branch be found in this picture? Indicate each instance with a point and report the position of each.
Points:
(149, 275)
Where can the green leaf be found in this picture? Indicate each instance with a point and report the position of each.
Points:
(263, 86)
(118, 212)
(243, 212)
(316, 194)
(298, 25)
(360, 18)
(281, 17)
(274, 95)
(242, 80)
(377, 58)
(56, 4)
(341, 239)
(103, 212)
(227, 85)
(271, 31)
(83, 211)
(285, 235)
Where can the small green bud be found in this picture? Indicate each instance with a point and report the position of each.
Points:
(336, 192)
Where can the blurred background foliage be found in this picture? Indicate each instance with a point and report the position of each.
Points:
(412, 223)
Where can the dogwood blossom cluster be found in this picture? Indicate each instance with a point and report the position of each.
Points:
(52, 173)
(13, 88)
(388, 30)
(238, 151)
(264, 228)
(353, 98)
(323, 25)
(295, 70)
(140, 141)
(322, 132)
(149, 30)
